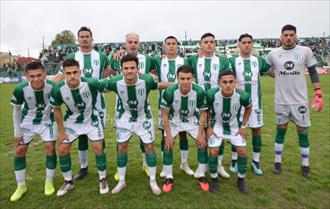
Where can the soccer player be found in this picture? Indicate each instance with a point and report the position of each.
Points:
(32, 114)
(166, 68)
(134, 116)
(206, 70)
(248, 69)
(146, 64)
(225, 103)
(92, 64)
(291, 99)
(179, 106)
(79, 94)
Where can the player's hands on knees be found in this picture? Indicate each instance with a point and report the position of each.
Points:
(201, 142)
(242, 131)
(18, 140)
(61, 137)
(169, 142)
(317, 102)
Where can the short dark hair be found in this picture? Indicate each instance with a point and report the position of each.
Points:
(207, 35)
(70, 63)
(84, 28)
(245, 35)
(129, 57)
(170, 37)
(227, 72)
(185, 69)
(289, 27)
(33, 66)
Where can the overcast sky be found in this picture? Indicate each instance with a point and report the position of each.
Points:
(24, 23)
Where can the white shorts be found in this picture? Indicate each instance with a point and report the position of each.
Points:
(102, 114)
(93, 130)
(215, 140)
(47, 132)
(143, 128)
(190, 128)
(256, 118)
(298, 113)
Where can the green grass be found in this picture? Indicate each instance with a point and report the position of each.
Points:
(288, 190)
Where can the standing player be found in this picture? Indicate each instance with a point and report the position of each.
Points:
(32, 115)
(248, 69)
(207, 70)
(79, 94)
(291, 99)
(225, 104)
(166, 67)
(180, 105)
(146, 64)
(134, 116)
(92, 64)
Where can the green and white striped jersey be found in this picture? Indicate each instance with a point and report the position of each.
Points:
(92, 66)
(226, 111)
(166, 71)
(36, 104)
(184, 108)
(146, 64)
(207, 69)
(248, 73)
(132, 100)
(80, 101)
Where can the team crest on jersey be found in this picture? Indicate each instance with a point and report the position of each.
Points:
(254, 64)
(236, 106)
(141, 65)
(140, 92)
(192, 102)
(215, 66)
(86, 94)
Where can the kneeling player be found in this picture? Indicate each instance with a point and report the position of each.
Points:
(34, 118)
(225, 107)
(79, 95)
(180, 105)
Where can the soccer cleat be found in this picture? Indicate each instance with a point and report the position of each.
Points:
(233, 167)
(222, 172)
(162, 174)
(277, 168)
(81, 174)
(146, 169)
(306, 172)
(256, 168)
(214, 185)
(203, 184)
(65, 188)
(103, 186)
(49, 187)
(19, 192)
(116, 176)
(120, 186)
(242, 185)
(199, 173)
(168, 185)
(185, 167)
(155, 188)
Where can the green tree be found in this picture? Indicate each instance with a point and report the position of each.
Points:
(65, 37)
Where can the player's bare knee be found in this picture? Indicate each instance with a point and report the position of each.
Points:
(122, 148)
(301, 129)
(149, 148)
(20, 150)
(50, 148)
(214, 151)
(63, 149)
(284, 126)
(256, 131)
(241, 151)
(98, 147)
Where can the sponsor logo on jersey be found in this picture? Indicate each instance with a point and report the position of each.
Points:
(206, 75)
(171, 77)
(80, 106)
(40, 106)
(88, 72)
(247, 74)
(225, 117)
(288, 65)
